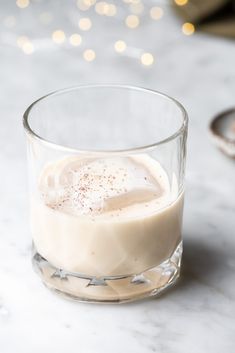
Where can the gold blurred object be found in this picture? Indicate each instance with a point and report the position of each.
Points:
(214, 16)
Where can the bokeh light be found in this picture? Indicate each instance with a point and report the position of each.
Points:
(82, 6)
(104, 8)
(85, 24)
(101, 7)
(58, 36)
(22, 40)
(89, 55)
(22, 3)
(75, 39)
(147, 59)
(120, 46)
(181, 2)
(132, 14)
(188, 28)
(89, 2)
(111, 10)
(85, 5)
(132, 21)
(156, 12)
(28, 48)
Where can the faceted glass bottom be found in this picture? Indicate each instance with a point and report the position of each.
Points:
(110, 289)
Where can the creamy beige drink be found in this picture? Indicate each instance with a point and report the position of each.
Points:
(106, 216)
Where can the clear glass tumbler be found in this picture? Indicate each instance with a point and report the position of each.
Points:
(106, 166)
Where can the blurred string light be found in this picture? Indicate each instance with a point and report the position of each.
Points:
(82, 6)
(22, 40)
(132, 21)
(156, 12)
(105, 9)
(188, 28)
(147, 59)
(85, 5)
(58, 36)
(85, 24)
(22, 3)
(101, 7)
(24, 43)
(89, 2)
(89, 55)
(112, 10)
(75, 39)
(181, 2)
(120, 46)
(28, 48)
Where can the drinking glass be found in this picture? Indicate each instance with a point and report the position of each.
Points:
(106, 173)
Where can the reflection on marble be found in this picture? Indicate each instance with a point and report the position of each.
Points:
(198, 315)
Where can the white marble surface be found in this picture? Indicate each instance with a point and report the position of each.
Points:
(198, 315)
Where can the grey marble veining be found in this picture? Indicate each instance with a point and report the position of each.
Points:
(198, 315)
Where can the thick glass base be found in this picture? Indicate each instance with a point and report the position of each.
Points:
(110, 289)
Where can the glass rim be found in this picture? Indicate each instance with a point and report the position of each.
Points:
(29, 131)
